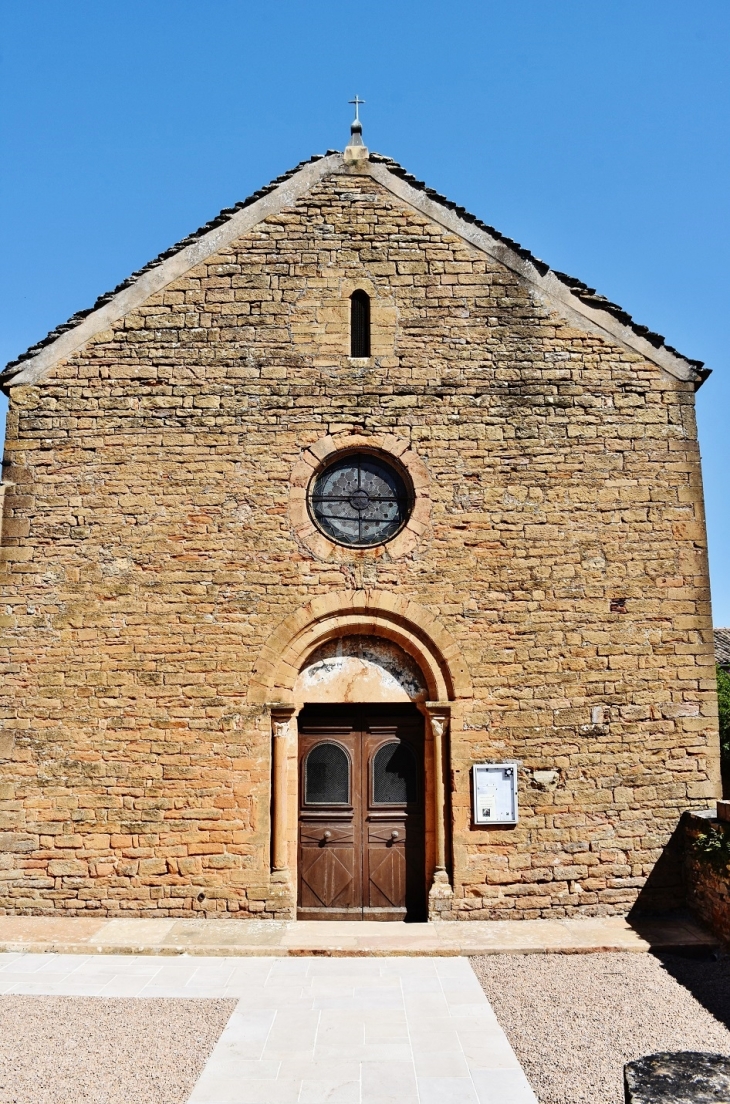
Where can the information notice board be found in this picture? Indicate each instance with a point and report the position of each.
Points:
(494, 793)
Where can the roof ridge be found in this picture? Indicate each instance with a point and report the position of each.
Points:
(587, 295)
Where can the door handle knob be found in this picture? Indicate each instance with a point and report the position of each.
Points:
(327, 836)
(395, 835)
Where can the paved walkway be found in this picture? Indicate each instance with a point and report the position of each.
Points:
(82, 935)
(309, 1030)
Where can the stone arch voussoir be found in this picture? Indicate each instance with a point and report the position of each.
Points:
(373, 613)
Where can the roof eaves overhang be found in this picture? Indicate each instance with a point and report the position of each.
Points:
(545, 282)
(153, 279)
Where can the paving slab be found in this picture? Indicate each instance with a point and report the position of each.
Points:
(357, 1030)
(412, 1030)
(82, 935)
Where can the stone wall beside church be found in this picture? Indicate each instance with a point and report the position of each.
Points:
(149, 553)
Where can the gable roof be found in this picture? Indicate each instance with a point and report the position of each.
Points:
(570, 296)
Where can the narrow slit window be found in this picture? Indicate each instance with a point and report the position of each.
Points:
(359, 324)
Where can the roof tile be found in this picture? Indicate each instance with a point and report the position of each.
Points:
(722, 647)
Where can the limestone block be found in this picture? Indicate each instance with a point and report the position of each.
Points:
(546, 780)
(67, 867)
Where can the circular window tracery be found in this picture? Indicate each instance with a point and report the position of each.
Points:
(359, 500)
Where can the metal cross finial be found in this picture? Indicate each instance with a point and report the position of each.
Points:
(355, 147)
(357, 101)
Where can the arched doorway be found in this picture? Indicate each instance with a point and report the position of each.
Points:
(360, 648)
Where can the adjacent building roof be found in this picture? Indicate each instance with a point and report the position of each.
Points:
(722, 648)
(572, 296)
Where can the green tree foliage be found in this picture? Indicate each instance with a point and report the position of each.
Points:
(713, 845)
(723, 702)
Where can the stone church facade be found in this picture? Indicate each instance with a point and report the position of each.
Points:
(276, 574)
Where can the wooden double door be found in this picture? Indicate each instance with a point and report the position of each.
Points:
(361, 813)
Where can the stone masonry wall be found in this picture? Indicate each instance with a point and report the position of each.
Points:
(707, 872)
(148, 555)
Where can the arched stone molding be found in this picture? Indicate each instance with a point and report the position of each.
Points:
(389, 446)
(366, 612)
(286, 653)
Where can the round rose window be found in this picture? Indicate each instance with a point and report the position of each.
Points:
(359, 500)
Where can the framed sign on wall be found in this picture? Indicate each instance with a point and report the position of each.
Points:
(494, 793)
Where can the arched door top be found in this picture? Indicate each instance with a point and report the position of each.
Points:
(360, 669)
(351, 613)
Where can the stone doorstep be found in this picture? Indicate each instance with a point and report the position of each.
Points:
(39, 934)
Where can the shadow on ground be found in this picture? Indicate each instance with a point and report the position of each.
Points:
(705, 974)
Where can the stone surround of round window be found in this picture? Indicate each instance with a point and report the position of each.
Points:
(360, 499)
(389, 449)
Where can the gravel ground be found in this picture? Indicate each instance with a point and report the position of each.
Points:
(64, 1050)
(574, 1020)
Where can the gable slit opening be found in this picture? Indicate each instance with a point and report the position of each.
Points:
(359, 324)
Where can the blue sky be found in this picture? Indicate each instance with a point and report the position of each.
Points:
(595, 134)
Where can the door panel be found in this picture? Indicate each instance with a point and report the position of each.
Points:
(361, 845)
(386, 872)
(328, 877)
(330, 869)
(394, 853)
